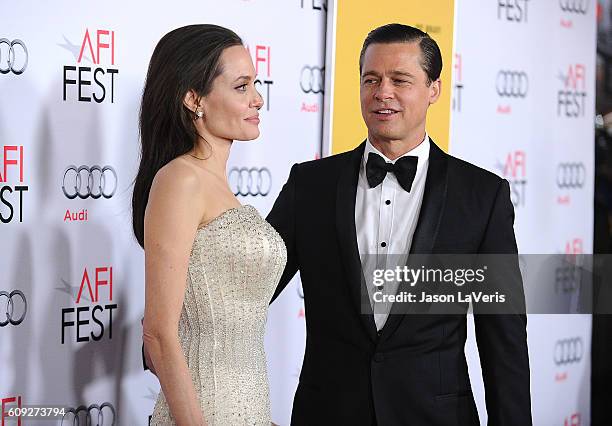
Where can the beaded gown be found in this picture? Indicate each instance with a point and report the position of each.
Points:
(236, 261)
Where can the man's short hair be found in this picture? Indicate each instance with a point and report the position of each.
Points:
(431, 58)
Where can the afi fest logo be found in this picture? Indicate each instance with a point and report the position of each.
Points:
(89, 320)
(572, 420)
(571, 97)
(458, 82)
(574, 247)
(318, 5)
(568, 276)
(513, 10)
(11, 195)
(514, 169)
(13, 402)
(89, 80)
(261, 58)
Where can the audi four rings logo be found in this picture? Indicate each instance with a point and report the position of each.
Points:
(13, 56)
(312, 79)
(13, 315)
(571, 175)
(250, 181)
(512, 84)
(85, 182)
(568, 351)
(575, 6)
(94, 415)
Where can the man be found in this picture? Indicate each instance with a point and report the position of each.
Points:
(396, 193)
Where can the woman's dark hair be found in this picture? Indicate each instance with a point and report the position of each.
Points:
(431, 58)
(186, 58)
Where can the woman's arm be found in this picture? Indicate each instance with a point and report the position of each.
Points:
(172, 216)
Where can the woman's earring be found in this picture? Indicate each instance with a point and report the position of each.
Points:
(199, 113)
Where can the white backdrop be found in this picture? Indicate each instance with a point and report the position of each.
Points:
(526, 136)
(523, 107)
(45, 257)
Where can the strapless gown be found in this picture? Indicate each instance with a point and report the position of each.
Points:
(235, 264)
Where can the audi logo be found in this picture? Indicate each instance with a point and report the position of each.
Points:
(85, 182)
(250, 181)
(312, 79)
(14, 316)
(94, 415)
(13, 58)
(568, 351)
(571, 175)
(575, 6)
(512, 84)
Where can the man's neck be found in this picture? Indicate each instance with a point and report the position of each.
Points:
(393, 149)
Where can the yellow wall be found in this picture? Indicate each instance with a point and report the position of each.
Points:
(355, 19)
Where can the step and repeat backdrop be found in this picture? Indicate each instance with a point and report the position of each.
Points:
(72, 275)
(518, 96)
(518, 99)
(523, 107)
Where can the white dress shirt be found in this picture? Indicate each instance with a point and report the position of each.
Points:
(385, 219)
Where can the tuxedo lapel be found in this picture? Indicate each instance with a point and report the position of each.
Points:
(430, 215)
(434, 198)
(347, 238)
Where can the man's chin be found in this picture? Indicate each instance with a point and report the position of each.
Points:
(382, 135)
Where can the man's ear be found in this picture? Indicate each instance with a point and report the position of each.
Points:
(191, 100)
(435, 89)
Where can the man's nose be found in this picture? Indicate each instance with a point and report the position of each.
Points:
(384, 91)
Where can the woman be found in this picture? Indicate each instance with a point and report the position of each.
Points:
(211, 264)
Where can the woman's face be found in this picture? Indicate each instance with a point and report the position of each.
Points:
(231, 107)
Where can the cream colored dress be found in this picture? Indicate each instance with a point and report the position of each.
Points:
(235, 264)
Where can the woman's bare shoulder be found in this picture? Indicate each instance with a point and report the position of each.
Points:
(179, 175)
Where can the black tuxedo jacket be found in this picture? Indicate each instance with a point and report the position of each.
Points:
(414, 371)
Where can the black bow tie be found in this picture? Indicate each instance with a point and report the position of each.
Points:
(404, 170)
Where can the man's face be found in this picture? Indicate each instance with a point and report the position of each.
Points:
(394, 91)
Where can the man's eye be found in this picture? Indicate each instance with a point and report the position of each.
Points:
(242, 87)
(369, 81)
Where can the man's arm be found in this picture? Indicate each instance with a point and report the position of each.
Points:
(282, 218)
(502, 338)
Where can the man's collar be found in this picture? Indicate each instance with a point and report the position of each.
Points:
(421, 151)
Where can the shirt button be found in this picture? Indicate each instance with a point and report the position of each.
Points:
(383, 244)
(388, 202)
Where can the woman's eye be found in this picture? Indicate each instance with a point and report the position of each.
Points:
(242, 87)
